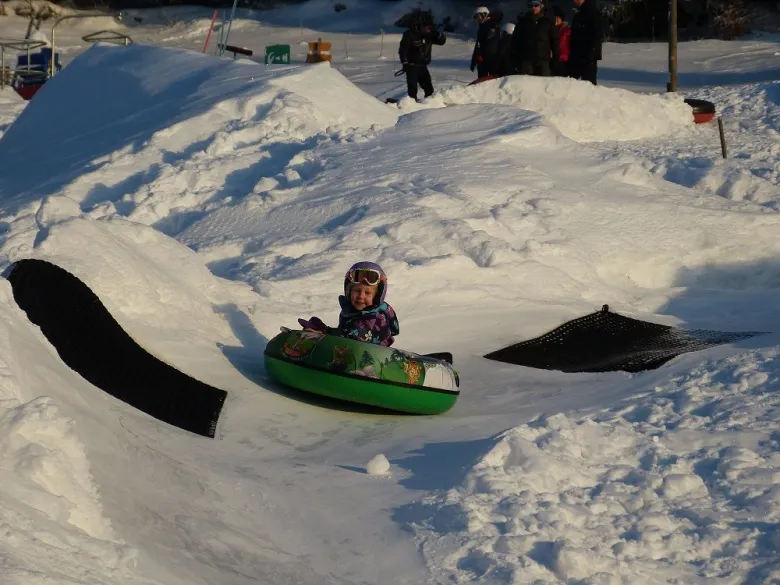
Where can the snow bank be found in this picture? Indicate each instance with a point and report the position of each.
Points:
(751, 117)
(10, 107)
(51, 517)
(580, 110)
(681, 484)
(159, 291)
(119, 118)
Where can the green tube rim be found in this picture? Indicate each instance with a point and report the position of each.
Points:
(309, 366)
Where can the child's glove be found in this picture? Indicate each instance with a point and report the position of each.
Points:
(315, 324)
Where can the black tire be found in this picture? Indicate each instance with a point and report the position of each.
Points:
(701, 106)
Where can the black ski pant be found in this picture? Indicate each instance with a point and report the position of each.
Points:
(585, 70)
(560, 69)
(418, 74)
(540, 68)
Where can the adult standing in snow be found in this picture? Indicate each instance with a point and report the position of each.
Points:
(586, 35)
(480, 15)
(506, 66)
(415, 54)
(561, 69)
(535, 42)
(485, 55)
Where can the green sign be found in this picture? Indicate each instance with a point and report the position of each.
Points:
(277, 54)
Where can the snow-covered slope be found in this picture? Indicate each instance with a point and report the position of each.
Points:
(208, 202)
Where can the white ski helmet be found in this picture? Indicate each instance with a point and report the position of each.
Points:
(481, 10)
(508, 27)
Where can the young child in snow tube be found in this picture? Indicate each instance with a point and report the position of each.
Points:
(365, 316)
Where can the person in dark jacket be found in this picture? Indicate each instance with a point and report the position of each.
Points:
(415, 54)
(506, 65)
(561, 69)
(485, 55)
(586, 35)
(535, 42)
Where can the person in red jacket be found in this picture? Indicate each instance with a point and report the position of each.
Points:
(561, 68)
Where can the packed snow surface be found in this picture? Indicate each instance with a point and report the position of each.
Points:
(207, 202)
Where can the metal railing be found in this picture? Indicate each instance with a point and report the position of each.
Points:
(27, 73)
(67, 17)
(7, 73)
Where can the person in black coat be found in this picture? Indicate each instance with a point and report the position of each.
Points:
(506, 65)
(485, 55)
(586, 35)
(415, 54)
(535, 42)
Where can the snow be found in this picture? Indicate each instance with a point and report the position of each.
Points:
(585, 114)
(378, 465)
(676, 485)
(208, 201)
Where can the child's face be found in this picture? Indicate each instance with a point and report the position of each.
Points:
(362, 296)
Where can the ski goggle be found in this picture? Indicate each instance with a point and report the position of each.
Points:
(367, 276)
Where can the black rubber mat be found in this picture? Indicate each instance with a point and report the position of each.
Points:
(608, 342)
(91, 342)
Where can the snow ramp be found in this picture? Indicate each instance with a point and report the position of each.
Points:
(579, 110)
(91, 342)
(155, 128)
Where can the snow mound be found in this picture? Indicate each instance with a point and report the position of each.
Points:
(579, 110)
(153, 286)
(378, 465)
(10, 106)
(119, 118)
(51, 513)
(680, 483)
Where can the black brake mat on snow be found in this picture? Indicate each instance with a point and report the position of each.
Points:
(91, 342)
(608, 342)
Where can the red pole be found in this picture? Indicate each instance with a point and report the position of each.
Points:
(208, 36)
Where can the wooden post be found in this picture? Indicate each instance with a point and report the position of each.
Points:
(672, 85)
(723, 150)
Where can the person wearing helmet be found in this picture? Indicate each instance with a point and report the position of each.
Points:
(415, 54)
(485, 56)
(365, 316)
(480, 14)
(506, 65)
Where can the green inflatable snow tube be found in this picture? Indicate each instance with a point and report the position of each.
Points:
(352, 370)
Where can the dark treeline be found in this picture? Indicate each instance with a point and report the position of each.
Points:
(626, 20)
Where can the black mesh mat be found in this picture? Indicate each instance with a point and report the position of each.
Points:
(92, 343)
(608, 342)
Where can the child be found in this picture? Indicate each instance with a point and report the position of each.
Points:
(365, 315)
(561, 68)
